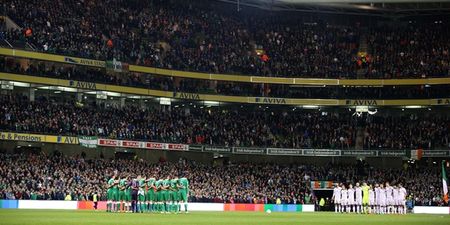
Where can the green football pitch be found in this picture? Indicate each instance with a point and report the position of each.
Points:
(59, 217)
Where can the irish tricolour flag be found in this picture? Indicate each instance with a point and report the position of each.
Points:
(444, 182)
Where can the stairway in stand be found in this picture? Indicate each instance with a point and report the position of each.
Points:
(359, 142)
(363, 48)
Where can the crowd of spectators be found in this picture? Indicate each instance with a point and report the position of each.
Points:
(407, 131)
(198, 36)
(185, 35)
(71, 72)
(52, 177)
(224, 126)
(418, 51)
(212, 126)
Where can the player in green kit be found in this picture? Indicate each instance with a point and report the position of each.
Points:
(183, 190)
(141, 194)
(122, 186)
(151, 194)
(112, 194)
(365, 190)
(173, 195)
(165, 194)
(158, 200)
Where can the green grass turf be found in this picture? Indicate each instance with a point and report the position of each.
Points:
(60, 217)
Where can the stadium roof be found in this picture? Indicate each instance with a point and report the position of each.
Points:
(386, 8)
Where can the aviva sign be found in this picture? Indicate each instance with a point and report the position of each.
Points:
(276, 101)
(367, 102)
(83, 85)
(183, 95)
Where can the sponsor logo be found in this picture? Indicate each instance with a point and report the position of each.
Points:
(177, 147)
(22, 137)
(277, 101)
(443, 101)
(436, 153)
(217, 149)
(249, 150)
(358, 153)
(67, 140)
(131, 144)
(281, 151)
(86, 62)
(361, 102)
(108, 142)
(391, 153)
(82, 84)
(183, 95)
(154, 145)
(322, 152)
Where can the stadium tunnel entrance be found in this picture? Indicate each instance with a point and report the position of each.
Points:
(326, 194)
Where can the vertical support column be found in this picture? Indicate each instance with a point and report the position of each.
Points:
(31, 94)
(122, 102)
(79, 97)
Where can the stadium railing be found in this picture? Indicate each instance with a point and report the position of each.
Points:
(93, 142)
(220, 77)
(221, 98)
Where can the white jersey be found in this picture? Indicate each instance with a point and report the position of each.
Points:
(344, 197)
(351, 196)
(382, 197)
(337, 195)
(395, 194)
(377, 196)
(389, 195)
(401, 196)
(358, 195)
(372, 197)
(402, 193)
(389, 192)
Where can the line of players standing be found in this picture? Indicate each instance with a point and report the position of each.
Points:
(367, 199)
(139, 194)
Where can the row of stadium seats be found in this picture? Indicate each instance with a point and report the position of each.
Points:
(61, 71)
(225, 126)
(192, 36)
(49, 177)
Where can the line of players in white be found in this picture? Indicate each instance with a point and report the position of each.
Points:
(380, 199)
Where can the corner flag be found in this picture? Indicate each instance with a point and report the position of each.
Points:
(444, 182)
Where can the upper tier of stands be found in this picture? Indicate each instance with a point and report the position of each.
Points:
(192, 36)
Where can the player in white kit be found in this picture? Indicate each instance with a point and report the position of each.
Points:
(358, 198)
(382, 199)
(372, 204)
(377, 199)
(344, 199)
(389, 198)
(402, 199)
(351, 198)
(395, 197)
(337, 198)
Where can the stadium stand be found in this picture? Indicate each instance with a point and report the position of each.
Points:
(47, 177)
(188, 36)
(197, 36)
(68, 72)
(222, 127)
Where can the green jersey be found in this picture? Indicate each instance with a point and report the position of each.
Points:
(184, 183)
(151, 182)
(122, 184)
(173, 185)
(112, 185)
(141, 184)
(158, 184)
(166, 184)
